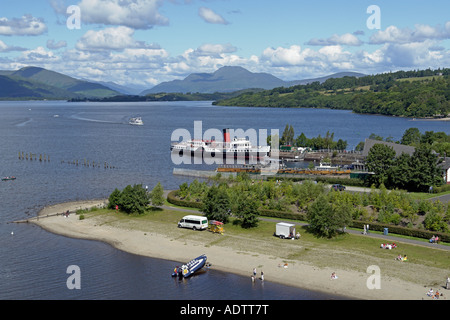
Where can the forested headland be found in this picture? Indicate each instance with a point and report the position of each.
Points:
(416, 94)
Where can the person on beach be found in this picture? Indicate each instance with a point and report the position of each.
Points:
(262, 276)
(447, 283)
(254, 272)
(333, 276)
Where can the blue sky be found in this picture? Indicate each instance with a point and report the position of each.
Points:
(144, 42)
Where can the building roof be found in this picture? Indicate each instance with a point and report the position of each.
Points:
(398, 148)
(445, 165)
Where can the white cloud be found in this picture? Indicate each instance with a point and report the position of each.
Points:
(284, 56)
(114, 38)
(420, 33)
(137, 14)
(347, 39)
(54, 46)
(210, 16)
(27, 25)
(39, 55)
(215, 49)
(6, 48)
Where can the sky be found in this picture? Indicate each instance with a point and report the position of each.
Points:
(141, 43)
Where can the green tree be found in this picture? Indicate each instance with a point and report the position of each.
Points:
(400, 173)
(157, 195)
(301, 141)
(341, 144)
(411, 136)
(114, 199)
(247, 211)
(435, 222)
(360, 146)
(216, 204)
(288, 135)
(134, 199)
(320, 218)
(342, 216)
(424, 169)
(379, 161)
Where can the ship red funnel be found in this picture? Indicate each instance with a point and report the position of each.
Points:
(226, 135)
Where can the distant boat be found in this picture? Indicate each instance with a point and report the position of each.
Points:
(8, 178)
(136, 121)
(325, 166)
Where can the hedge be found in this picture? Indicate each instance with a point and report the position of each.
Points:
(443, 188)
(329, 180)
(172, 198)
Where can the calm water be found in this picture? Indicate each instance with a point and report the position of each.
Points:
(34, 262)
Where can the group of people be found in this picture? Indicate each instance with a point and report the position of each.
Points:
(400, 258)
(434, 239)
(254, 275)
(434, 295)
(388, 246)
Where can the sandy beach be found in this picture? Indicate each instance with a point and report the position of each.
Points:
(231, 255)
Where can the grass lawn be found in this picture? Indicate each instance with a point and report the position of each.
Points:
(426, 196)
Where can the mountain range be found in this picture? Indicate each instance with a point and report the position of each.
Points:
(229, 79)
(40, 83)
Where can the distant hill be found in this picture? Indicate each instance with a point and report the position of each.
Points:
(413, 94)
(126, 90)
(40, 83)
(323, 79)
(225, 79)
(229, 79)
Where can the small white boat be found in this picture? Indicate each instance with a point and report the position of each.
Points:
(136, 121)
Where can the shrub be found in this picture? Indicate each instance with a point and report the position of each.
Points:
(132, 199)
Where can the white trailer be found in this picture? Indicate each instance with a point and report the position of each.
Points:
(285, 230)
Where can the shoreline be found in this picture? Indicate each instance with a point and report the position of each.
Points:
(239, 260)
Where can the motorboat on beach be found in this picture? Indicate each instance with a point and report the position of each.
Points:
(136, 121)
(190, 268)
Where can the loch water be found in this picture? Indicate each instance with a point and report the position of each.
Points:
(34, 262)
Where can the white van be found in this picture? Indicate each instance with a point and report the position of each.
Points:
(193, 222)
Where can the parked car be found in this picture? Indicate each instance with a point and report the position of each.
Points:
(338, 187)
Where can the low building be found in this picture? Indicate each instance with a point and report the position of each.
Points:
(445, 167)
(398, 148)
